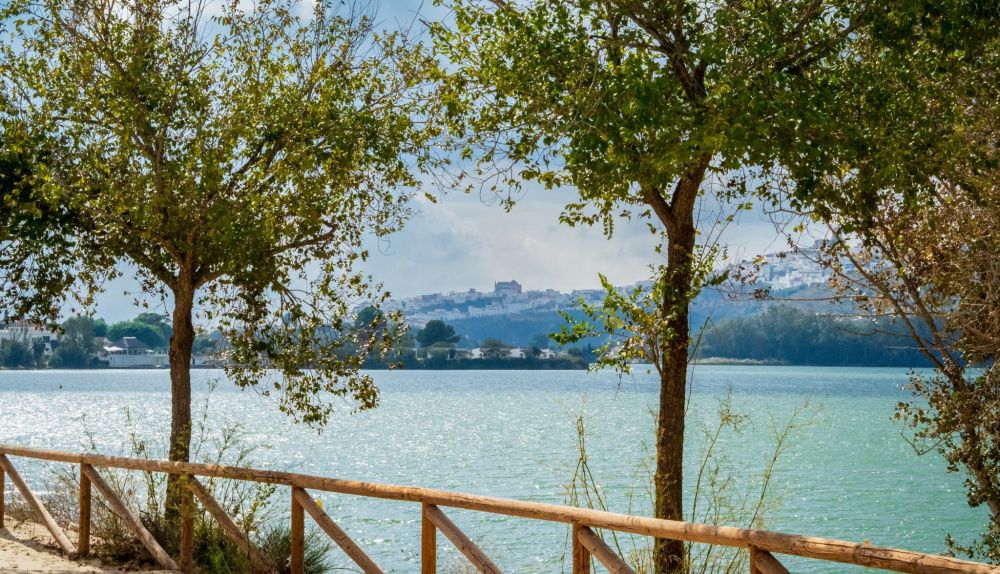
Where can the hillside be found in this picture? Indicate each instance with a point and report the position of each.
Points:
(712, 306)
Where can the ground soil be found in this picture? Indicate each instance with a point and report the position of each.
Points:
(28, 547)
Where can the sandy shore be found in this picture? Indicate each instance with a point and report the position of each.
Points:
(28, 547)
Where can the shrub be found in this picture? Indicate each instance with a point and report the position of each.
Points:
(251, 505)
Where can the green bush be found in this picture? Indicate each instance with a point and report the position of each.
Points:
(251, 505)
(276, 542)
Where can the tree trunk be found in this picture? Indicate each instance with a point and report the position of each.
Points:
(181, 344)
(669, 555)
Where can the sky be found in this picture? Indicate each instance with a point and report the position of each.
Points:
(468, 241)
(464, 242)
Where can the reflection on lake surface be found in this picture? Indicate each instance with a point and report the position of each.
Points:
(849, 474)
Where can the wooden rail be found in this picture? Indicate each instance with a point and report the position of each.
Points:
(762, 544)
(37, 507)
(597, 548)
(208, 502)
(119, 507)
(465, 545)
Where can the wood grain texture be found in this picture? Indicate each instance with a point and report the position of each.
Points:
(298, 536)
(428, 542)
(765, 563)
(775, 542)
(604, 553)
(36, 505)
(83, 524)
(353, 551)
(259, 560)
(129, 518)
(464, 544)
(581, 558)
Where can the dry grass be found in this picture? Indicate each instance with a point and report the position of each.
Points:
(719, 497)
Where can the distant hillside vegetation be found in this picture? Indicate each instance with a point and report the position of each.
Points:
(520, 329)
(784, 334)
(797, 327)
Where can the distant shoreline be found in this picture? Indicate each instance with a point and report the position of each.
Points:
(746, 362)
(510, 366)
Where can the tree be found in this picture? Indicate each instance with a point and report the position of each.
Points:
(907, 189)
(234, 161)
(27, 223)
(934, 268)
(541, 341)
(494, 344)
(368, 317)
(148, 334)
(436, 331)
(100, 328)
(77, 344)
(16, 353)
(637, 105)
(156, 320)
(790, 335)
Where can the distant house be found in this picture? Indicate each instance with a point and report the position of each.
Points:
(516, 353)
(130, 353)
(546, 354)
(494, 353)
(467, 353)
(130, 346)
(26, 332)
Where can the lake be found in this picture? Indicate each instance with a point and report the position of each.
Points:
(847, 472)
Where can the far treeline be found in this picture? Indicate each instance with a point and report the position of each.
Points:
(80, 339)
(790, 336)
(780, 334)
(434, 346)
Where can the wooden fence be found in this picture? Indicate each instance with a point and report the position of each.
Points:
(587, 545)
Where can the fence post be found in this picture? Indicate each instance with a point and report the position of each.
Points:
(298, 536)
(753, 560)
(428, 543)
(83, 529)
(186, 557)
(3, 495)
(581, 557)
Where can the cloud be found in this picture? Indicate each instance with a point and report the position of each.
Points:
(467, 241)
(463, 242)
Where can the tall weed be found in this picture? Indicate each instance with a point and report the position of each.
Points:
(717, 495)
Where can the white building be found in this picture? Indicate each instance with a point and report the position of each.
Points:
(131, 353)
(28, 333)
(476, 353)
(507, 288)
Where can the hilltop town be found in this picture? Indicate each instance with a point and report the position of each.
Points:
(781, 271)
(506, 323)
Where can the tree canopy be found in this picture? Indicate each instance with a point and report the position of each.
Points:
(78, 342)
(788, 335)
(243, 167)
(436, 331)
(154, 336)
(906, 189)
(235, 157)
(637, 105)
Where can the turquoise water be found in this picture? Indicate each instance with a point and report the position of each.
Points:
(849, 473)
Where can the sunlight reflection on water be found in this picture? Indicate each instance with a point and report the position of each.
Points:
(513, 434)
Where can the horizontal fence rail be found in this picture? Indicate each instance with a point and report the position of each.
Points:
(587, 545)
